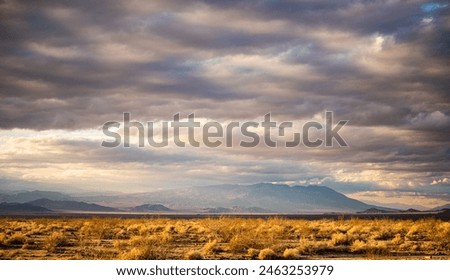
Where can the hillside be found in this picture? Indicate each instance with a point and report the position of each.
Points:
(70, 205)
(21, 207)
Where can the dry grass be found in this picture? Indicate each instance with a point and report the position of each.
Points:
(53, 241)
(17, 238)
(222, 238)
(194, 255)
(291, 254)
(267, 254)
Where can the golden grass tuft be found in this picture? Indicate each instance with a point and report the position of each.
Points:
(54, 240)
(211, 247)
(253, 253)
(291, 254)
(267, 254)
(341, 239)
(193, 255)
(17, 238)
(3, 239)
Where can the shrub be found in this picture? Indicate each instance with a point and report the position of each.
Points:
(384, 234)
(341, 239)
(166, 236)
(375, 248)
(146, 253)
(3, 239)
(267, 254)
(358, 246)
(242, 242)
(397, 240)
(16, 239)
(211, 247)
(253, 253)
(193, 255)
(140, 253)
(291, 254)
(120, 245)
(54, 240)
(146, 248)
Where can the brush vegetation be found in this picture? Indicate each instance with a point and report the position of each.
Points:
(223, 238)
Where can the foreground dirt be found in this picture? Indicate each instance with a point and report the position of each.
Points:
(223, 238)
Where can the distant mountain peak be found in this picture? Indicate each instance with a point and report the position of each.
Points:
(151, 208)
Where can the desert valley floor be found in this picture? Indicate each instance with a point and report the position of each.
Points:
(223, 238)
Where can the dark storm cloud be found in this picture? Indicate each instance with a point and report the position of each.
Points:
(365, 17)
(59, 50)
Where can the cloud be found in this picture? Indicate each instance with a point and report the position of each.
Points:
(72, 66)
(435, 120)
(444, 182)
(163, 52)
(402, 200)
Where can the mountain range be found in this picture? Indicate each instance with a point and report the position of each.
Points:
(271, 197)
(69, 205)
(150, 208)
(14, 207)
(255, 198)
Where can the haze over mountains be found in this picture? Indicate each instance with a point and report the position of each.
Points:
(271, 197)
(256, 198)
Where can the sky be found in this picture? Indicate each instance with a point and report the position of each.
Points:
(68, 67)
